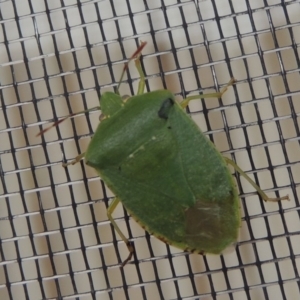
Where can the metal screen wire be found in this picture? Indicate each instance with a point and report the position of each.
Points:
(58, 57)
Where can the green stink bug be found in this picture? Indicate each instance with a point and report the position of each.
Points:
(166, 172)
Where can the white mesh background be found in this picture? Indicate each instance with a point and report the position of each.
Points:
(58, 57)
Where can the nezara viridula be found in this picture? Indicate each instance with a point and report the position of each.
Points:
(166, 172)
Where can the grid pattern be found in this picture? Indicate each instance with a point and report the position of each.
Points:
(58, 57)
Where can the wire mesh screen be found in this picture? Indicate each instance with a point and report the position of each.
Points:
(59, 57)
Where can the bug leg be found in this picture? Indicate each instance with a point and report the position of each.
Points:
(75, 160)
(135, 55)
(141, 86)
(110, 210)
(258, 189)
(186, 101)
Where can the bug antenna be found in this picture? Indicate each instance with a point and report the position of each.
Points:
(133, 56)
(52, 125)
(56, 123)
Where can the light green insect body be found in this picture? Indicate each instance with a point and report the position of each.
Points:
(167, 174)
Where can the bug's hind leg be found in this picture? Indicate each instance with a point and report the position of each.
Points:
(258, 189)
(110, 210)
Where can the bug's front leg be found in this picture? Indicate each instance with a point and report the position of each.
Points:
(141, 86)
(186, 101)
(77, 159)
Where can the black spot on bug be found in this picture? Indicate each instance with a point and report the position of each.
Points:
(120, 169)
(169, 127)
(165, 108)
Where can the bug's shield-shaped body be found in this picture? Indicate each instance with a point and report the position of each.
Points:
(167, 174)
